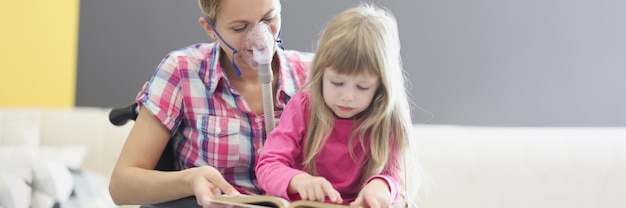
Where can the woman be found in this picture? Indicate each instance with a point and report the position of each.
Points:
(207, 99)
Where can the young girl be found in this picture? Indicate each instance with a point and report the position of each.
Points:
(341, 139)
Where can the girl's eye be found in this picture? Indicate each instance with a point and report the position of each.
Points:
(336, 83)
(362, 88)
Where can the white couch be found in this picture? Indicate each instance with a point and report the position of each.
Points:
(39, 146)
(519, 167)
(464, 166)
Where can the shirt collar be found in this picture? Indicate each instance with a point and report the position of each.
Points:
(287, 86)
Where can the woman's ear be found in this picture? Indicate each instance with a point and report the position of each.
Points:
(207, 28)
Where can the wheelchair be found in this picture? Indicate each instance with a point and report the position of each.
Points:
(119, 116)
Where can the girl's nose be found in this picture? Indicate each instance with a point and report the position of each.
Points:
(347, 96)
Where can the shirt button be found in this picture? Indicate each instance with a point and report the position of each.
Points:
(257, 119)
(217, 130)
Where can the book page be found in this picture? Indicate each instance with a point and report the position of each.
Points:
(315, 204)
(229, 204)
(256, 201)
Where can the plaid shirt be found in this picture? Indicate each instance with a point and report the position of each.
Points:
(210, 121)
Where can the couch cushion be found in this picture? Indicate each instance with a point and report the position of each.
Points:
(20, 126)
(16, 176)
(474, 167)
(81, 126)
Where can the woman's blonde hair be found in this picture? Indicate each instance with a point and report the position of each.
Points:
(362, 40)
(210, 8)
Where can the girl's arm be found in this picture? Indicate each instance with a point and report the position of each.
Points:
(391, 173)
(382, 190)
(280, 159)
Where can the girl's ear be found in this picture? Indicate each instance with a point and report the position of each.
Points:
(207, 28)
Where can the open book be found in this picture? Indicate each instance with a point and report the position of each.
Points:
(264, 201)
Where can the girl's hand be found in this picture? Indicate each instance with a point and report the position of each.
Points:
(208, 182)
(313, 188)
(374, 195)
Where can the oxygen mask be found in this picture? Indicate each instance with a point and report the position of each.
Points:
(259, 43)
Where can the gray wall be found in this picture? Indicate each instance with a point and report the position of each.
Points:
(483, 62)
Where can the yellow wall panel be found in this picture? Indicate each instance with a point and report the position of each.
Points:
(39, 43)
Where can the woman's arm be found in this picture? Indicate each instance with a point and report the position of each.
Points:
(135, 182)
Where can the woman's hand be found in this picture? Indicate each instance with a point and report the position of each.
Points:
(374, 195)
(313, 188)
(208, 182)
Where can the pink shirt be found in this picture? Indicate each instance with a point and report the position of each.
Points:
(281, 158)
(210, 121)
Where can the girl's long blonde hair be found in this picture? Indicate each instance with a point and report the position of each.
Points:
(362, 40)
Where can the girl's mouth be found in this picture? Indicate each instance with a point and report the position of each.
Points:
(344, 108)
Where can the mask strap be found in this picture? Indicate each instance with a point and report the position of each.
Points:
(231, 48)
(279, 41)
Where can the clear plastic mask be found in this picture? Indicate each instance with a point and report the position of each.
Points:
(258, 46)
(260, 41)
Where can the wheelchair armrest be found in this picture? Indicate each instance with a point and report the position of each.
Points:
(120, 115)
